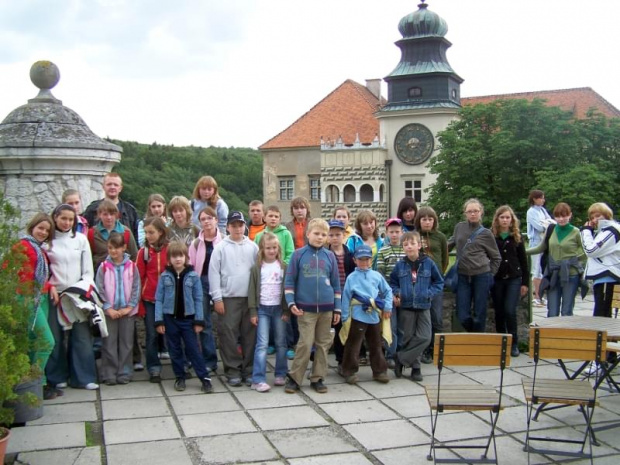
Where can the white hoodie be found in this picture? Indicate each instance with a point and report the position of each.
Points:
(229, 268)
(70, 260)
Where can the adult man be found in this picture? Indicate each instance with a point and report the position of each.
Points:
(112, 187)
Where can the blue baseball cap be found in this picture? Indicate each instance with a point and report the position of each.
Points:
(363, 251)
(336, 224)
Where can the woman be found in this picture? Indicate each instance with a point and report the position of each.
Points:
(478, 261)
(563, 262)
(512, 278)
(538, 219)
(70, 262)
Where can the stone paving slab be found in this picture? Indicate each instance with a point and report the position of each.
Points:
(492, 377)
(276, 397)
(340, 459)
(302, 416)
(337, 393)
(358, 412)
(235, 447)
(409, 407)
(151, 453)
(395, 433)
(191, 404)
(395, 388)
(514, 420)
(130, 391)
(213, 424)
(306, 442)
(193, 387)
(61, 413)
(455, 426)
(406, 455)
(139, 430)
(134, 408)
(73, 456)
(44, 437)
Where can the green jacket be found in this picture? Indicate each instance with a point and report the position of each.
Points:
(285, 238)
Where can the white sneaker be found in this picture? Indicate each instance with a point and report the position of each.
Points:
(539, 303)
(61, 385)
(592, 369)
(91, 386)
(164, 356)
(261, 387)
(138, 367)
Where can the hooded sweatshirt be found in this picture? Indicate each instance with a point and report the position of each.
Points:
(229, 268)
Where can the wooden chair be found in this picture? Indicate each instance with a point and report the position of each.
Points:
(563, 344)
(468, 349)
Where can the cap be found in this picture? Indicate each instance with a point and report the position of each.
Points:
(235, 216)
(363, 251)
(394, 220)
(336, 224)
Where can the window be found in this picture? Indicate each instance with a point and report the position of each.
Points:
(332, 194)
(415, 92)
(349, 193)
(414, 189)
(287, 189)
(315, 188)
(367, 193)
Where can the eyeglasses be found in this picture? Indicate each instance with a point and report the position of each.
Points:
(472, 212)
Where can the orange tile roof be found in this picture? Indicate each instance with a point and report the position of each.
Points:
(345, 112)
(578, 100)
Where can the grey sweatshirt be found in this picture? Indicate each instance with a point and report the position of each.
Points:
(481, 255)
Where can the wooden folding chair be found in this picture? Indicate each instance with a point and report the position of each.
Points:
(468, 349)
(563, 344)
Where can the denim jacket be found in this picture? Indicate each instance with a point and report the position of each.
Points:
(192, 294)
(428, 283)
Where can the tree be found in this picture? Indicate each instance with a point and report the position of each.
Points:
(498, 152)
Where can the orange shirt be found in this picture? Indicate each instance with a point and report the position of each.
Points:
(253, 230)
(300, 234)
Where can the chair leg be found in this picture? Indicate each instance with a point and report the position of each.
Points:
(494, 420)
(431, 452)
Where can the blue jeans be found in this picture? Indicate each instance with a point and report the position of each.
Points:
(207, 341)
(473, 289)
(269, 316)
(153, 365)
(183, 330)
(506, 294)
(562, 294)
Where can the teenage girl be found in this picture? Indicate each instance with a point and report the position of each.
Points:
(180, 225)
(406, 211)
(155, 206)
(72, 197)
(268, 310)
(206, 195)
(365, 233)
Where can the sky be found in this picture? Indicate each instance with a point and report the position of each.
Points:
(238, 72)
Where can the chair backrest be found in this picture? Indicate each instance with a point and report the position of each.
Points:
(567, 344)
(472, 349)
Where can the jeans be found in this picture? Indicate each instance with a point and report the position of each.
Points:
(178, 330)
(473, 289)
(603, 295)
(562, 295)
(153, 365)
(207, 340)
(506, 294)
(269, 316)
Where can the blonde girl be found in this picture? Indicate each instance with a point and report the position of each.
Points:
(155, 206)
(206, 195)
(365, 233)
(268, 310)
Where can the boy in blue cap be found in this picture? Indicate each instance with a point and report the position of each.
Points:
(366, 299)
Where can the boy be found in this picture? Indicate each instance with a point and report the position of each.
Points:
(272, 219)
(257, 221)
(229, 278)
(362, 286)
(179, 315)
(415, 280)
(312, 291)
(387, 258)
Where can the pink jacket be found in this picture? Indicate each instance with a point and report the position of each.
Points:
(107, 284)
(198, 251)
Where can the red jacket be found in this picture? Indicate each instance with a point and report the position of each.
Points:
(149, 271)
(26, 273)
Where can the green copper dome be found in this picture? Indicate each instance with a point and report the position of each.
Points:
(422, 23)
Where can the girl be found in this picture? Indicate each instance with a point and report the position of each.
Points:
(205, 195)
(562, 242)
(119, 285)
(268, 309)
(366, 233)
(72, 197)
(155, 206)
(300, 211)
(70, 262)
(435, 245)
(407, 211)
(512, 278)
(342, 213)
(538, 219)
(180, 226)
(151, 262)
(35, 272)
(199, 257)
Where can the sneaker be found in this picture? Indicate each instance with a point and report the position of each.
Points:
(544, 301)
(363, 361)
(179, 384)
(339, 369)
(381, 378)
(234, 382)
(398, 367)
(110, 382)
(207, 388)
(61, 385)
(164, 356)
(390, 363)
(247, 381)
(123, 380)
(290, 354)
(279, 381)
(514, 351)
(188, 373)
(351, 379)
(538, 303)
(271, 350)
(592, 369)
(416, 374)
(318, 386)
(59, 392)
(155, 378)
(91, 386)
(261, 387)
(138, 366)
(427, 357)
(49, 392)
(291, 386)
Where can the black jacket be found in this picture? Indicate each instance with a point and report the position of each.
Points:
(514, 260)
(128, 215)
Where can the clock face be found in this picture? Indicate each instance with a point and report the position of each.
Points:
(414, 144)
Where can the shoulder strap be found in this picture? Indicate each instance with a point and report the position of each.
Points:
(90, 234)
(473, 235)
(127, 235)
(548, 233)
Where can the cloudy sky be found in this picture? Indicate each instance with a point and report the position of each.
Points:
(237, 72)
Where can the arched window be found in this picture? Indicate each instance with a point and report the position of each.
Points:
(349, 193)
(367, 193)
(332, 194)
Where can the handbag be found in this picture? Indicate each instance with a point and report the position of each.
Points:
(451, 279)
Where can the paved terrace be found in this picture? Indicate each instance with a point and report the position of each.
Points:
(370, 423)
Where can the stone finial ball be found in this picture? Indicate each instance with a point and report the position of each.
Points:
(44, 74)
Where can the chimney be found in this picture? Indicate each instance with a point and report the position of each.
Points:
(374, 86)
